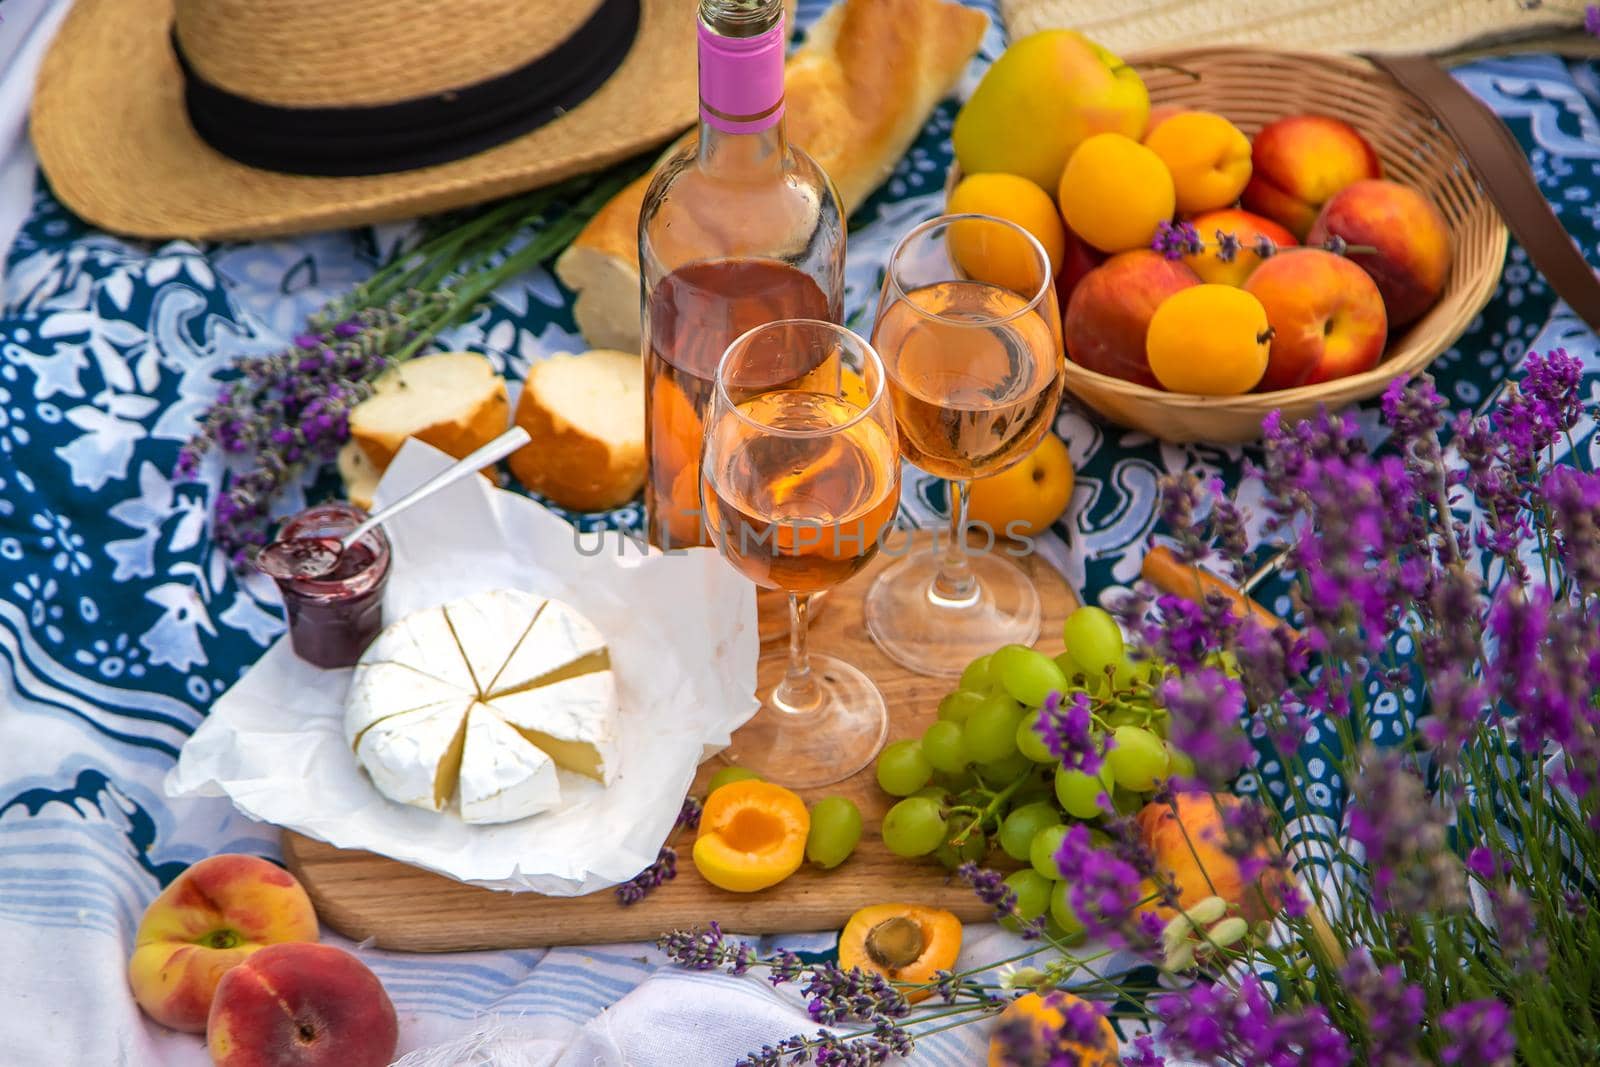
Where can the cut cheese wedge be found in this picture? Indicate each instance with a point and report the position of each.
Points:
(491, 626)
(503, 778)
(568, 719)
(560, 644)
(379, 690)
(415, 757)
(425, 643)
(485, 700)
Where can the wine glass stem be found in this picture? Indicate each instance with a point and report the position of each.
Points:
(798, 692)
(955, 586)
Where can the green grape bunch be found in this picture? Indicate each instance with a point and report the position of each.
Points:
(982, 775)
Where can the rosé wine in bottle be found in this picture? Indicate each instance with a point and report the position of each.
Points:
(738, 228)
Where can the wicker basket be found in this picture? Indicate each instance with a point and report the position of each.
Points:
(1252, 87)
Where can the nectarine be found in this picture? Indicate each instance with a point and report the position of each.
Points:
(1299, 163)
(302, 1005)
(210, 919)
(1412, 240)
(1110, 311)
(1243, 227)
(1327, 318)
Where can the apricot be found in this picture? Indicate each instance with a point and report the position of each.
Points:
(1189, 850)
(1025, 498)
(1046, 1016)
(302, 1005)
(752, 835)
(994, 254)
(1211, 339)
(212, 918)
(1412, 240)
(1208, 156)
(903, 942)
(1109, 315)
(1242, 226)
(1115, 192)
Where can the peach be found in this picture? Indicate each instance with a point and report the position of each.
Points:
(211, 918)
(1110, 311)
(1327, 318)
(1411, 237)
(1245, 228)
(1208, 157)
(1189, 847)
(302, 1005)
(1161, 113)
(1299, 163)
(1079, 258)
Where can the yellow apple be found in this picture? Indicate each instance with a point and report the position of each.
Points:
(1042, 98)
(1024, 499)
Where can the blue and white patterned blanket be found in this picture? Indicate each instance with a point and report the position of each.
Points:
(119, 625)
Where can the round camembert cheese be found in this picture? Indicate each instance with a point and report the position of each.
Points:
(482, 700)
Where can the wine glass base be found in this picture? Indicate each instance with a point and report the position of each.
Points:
(817, 746)
(930, 635)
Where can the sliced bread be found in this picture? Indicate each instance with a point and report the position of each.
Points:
(453, 401)
(586, 417)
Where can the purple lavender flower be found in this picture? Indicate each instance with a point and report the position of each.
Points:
(1404, 837)
(1413, 410)
(1264, 246)
(1573, 500)
(1214, 1024)
(1176, 241)
(990, 887)
(688, 814)
(1029, 1041)
(1066, 732)
(1517, 931)
(1591, 20)
(838, 995)
(1143, 1053)
(664, 869)
(1482, 862)
(1181, 500)
(1227, 247)
(1206, 705)
(1393, 1008)
(1186, 634)
(1479, 1035)
(1105, 888)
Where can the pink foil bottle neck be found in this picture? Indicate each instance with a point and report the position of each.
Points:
(741, 80)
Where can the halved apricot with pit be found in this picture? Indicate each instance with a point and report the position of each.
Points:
(752, 835)
(903, 942)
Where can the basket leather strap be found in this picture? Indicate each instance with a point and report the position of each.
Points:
(1502, 169)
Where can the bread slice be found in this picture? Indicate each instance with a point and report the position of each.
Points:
(586, 417)
(360, 477)
(453, 401)
(856, 94)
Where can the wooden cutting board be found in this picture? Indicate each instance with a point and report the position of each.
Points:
(400, 907)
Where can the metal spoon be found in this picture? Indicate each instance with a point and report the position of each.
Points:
(313, 557)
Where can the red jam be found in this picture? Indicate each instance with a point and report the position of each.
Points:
(333, 598)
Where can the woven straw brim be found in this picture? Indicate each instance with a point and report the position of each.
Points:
(113, 137)
(1381, 26)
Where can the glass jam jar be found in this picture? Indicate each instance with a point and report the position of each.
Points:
(333, 617)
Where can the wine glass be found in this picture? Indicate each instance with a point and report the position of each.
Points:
(970, 335)
(800, 479)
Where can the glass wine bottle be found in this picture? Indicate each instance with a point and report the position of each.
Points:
(739, 228)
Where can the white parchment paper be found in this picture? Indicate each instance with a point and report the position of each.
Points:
(683, 639)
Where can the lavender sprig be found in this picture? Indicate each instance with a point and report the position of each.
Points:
(664, 869)
(285, 415)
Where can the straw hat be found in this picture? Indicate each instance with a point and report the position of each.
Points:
(1390, 26)
(317, 114)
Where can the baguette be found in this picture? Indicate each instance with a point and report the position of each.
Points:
(857, 93)
(585, 415)
(453, 401)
